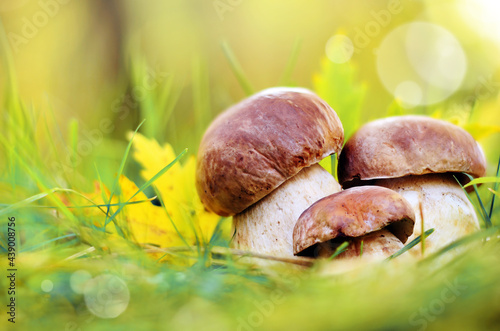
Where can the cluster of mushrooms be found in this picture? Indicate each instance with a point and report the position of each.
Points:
(258, 162)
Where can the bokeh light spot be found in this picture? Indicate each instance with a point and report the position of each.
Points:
(47, 285)
(409, 93)
(339, 48)
(421, 63)
(106, 296)
(78, 279)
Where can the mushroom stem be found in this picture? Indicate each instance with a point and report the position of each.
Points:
(376, 245)
(439, 203)
(267, 226)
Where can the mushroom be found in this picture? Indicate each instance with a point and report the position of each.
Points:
(417, 157)
(376, 217)
(258, 162)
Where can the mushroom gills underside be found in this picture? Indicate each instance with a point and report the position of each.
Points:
(376, 245)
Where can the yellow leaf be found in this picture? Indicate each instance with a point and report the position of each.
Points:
(177, 189)
(148, 224)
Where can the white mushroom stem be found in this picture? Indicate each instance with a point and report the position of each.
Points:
(377, 245)
(267, 226)
(439, 203)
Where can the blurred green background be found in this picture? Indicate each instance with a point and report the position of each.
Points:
(77, 76)
(79, 58)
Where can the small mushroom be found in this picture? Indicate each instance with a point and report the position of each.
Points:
(376, 217)
(258, 162)
(417, 157)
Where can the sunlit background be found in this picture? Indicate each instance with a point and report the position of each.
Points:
(74, 56)
(89, 72)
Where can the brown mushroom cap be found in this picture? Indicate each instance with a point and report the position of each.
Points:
(256, 145)
(353, 213)
(409, 145)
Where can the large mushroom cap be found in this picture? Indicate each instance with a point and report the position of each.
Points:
(353, 213)
(256, 145)
(409, 145)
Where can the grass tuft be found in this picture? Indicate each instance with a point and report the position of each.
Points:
(118, 175)
(495, 189)
(482, 211)
(146, 185)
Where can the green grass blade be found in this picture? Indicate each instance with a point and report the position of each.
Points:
(100, 206)
(482, 210)
(103, 196)
(292, 61)
(42, 195)
(147, 101)
(483, 180)
(55, 150)
(160, 173)
(23, 203)
(147, 184)
(39, 181)
(422, 231)
(463, 241)
(495, 189)
(71, 235)
(486, 215)
(165, 95)
(339, 250)
(172, 221)
(411, 244)
(237, 69)
(467, 195)
(167, 101)
(120, 170)
(201, 96)
(216, 239)
(73, 134)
